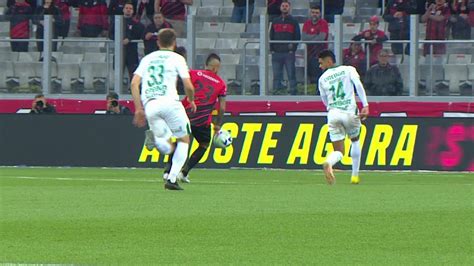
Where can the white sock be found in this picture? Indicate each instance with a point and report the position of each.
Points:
(163, 145)
(179, 158)
(334, 157)
(355, 154)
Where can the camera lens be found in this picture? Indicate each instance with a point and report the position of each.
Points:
(114, 103)
(40, 104)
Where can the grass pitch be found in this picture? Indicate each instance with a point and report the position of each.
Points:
(124, 216)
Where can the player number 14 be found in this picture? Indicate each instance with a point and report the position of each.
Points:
(339, 92)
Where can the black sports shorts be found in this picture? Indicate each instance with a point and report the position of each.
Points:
(201, 133)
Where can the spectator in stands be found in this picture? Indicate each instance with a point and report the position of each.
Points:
(471, 12)
(459, 20)
(41, 106)
(285, 28)
(93, 18)
(239, 13)
(113, 106)
(315, 29)
(65, 8)
(332, 8)
(174, 11)
(116, 8)
(32, 3)
(397, 15)
(150, 37)
(146, 7)
(355, 56)
(383, 79)
(20, 13)
(133, 30)
(48, 8)
(436, 18)
(273, 9)
(375, 37)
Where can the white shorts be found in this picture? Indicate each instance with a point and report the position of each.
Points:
(342, 124)
(167, 118)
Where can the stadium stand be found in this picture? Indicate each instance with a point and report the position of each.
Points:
(84, 64)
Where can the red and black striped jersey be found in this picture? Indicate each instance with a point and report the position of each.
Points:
(208, 87)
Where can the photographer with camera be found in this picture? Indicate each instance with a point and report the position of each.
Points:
(41, 106)
(113, 106)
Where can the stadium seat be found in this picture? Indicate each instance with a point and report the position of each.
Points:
(454, 74)
(8, 56)
(207, 12)
(300, 5)
(350, 30)
(250, 60)
(5, 47)
(232, 30)
(228, 72)
(226, 12)
(230, 59)
(211, 3)
(260, 3)
(431, 74)
(228, 3)
(226, 45)
(181, 42)
(459, 59)
(5, 74)
(24, 72)
(72, 58)
(300, 12)
(470, 68)
(405, 73)
(252, 31)
(205, 43)
(435, 60)
(93, 73)
(94, 57)
(28, 56)
(68, 75)
(212, 27)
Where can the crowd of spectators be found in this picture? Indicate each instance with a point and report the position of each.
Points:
(444, 19)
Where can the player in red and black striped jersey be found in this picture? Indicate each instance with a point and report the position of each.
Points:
(209, 89)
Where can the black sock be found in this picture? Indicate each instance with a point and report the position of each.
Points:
(193, 160)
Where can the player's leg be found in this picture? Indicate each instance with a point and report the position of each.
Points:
(353, 131)
(337, 135)
(160, 132)
(202, 135)
(177, 120)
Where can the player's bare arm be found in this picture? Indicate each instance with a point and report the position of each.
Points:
(139, 117)
(220, 114)
(189, 90)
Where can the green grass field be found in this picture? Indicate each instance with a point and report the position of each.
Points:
(124, 216)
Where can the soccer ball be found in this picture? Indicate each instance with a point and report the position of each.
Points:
(222, 139)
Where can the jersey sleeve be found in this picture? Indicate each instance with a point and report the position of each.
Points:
(322, 92)
(182, 67)
(140, 71)
(223, 91)
(355, 78)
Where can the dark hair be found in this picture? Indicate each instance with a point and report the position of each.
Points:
(315, 6)
(212, 57)
(327, 53)
(112, 95)
(129, 3)
(40, 95)
(166, 37)
(285, 1)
